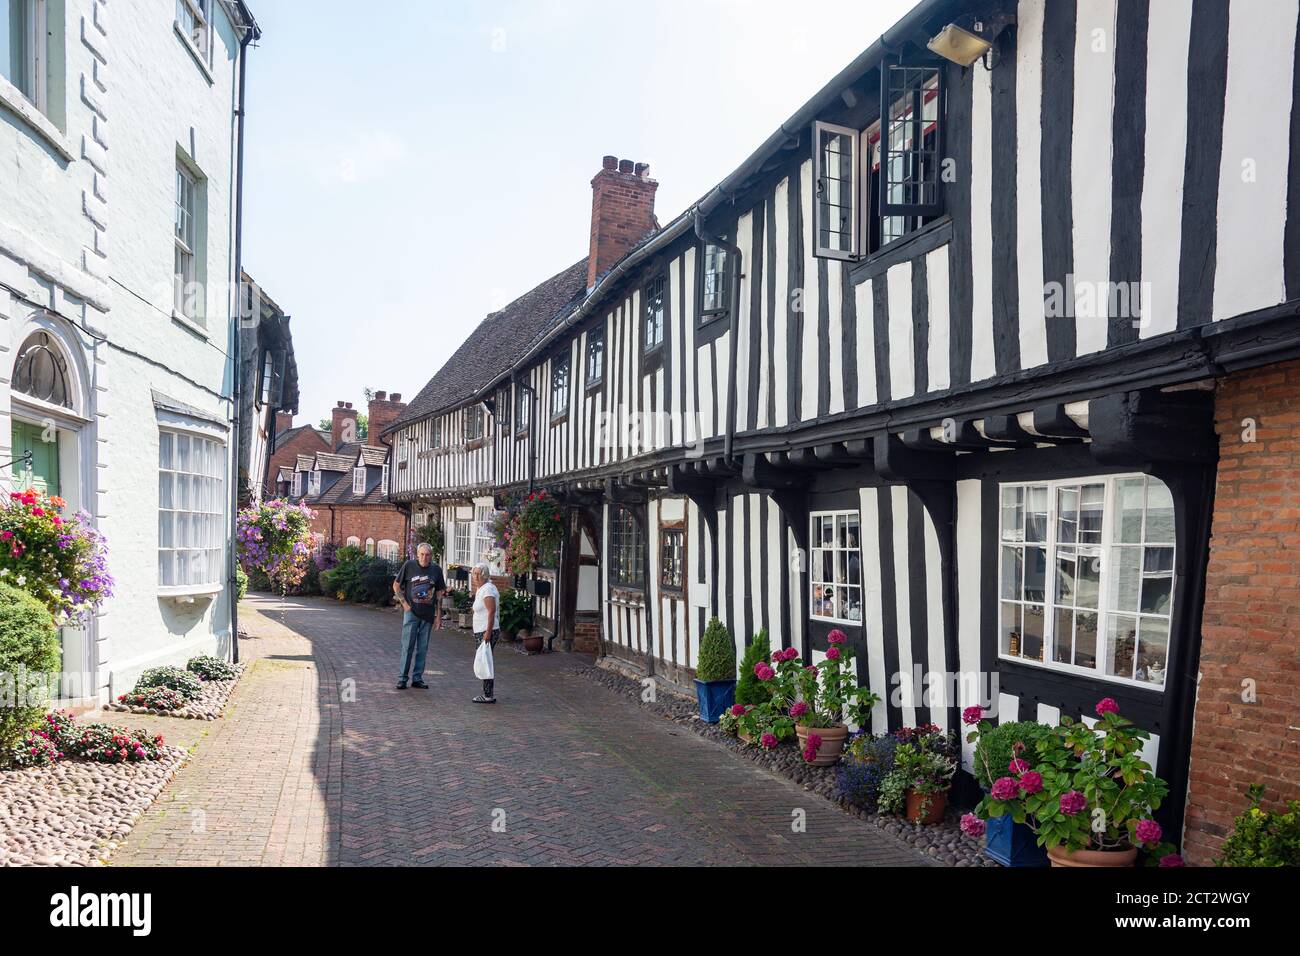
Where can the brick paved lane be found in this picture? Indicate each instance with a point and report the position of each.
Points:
(321, 760)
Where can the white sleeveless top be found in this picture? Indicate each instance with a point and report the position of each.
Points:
(480, 608)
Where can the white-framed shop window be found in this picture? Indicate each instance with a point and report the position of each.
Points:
(191, 511)
(1086, 576)
(835, 567)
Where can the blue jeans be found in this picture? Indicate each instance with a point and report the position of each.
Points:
(415, 644)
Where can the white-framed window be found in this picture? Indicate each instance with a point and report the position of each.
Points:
(194, 21)
(24, 49)
(359, 480)
(370, 547)
(835, 567)
(595, 356)
(383, 478)
(560, 387)
(475, 422)
(388, 550)
(313, 483)
(1086, 576)
(463, 543)
(191, 510)
(354, 541)
(484, 539)
(295, 489)
(837, 192)
(186, 236)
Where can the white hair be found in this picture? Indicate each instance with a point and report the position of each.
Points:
(424, 546)
(482, 568)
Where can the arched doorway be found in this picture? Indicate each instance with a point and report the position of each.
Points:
(52, 443)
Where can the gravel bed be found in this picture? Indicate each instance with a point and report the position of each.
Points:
(943, 841)
(209, 705)
(76, 812)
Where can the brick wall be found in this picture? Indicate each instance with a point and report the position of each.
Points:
(306, 441)
(586, 632)
(380, 522)
(1251, 624)
(622, 212)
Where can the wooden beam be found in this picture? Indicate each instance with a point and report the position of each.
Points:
(1135, 428)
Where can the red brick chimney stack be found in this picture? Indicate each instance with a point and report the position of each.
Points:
(622, 212)
(343, 425)
(283, 422)
(384, 410)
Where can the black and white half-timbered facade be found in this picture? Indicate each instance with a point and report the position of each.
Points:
(936, 366)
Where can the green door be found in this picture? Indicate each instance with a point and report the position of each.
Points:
(44, 471)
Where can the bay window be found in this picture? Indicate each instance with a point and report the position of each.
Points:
(835, 567)
(191, 511)
(1086, 576)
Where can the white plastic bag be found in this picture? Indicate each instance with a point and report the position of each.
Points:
(483, 668)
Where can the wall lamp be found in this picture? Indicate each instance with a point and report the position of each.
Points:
(970, 39)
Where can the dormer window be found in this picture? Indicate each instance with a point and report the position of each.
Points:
(359, 480)
(296, 484)
(313, 483)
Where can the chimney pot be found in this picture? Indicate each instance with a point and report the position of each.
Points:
(342, 404)
(643, 170)
(381, 396)
(397, 397)
(609, 162)
(625, 165)
(349, 405)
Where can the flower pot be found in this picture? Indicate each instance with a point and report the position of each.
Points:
(462, 620)
(1060, 856)
(1012, 844)
(933, 810)
(833, 741)
(532, 643)
(714, 696)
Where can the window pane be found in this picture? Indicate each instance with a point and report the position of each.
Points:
(1160, 513)
(1121, 642)
(1062, 640)
(1129, 492)
(1033, 636)
(1013, 572)
(1035, 574)
(164, 450)
(1085, 638)
(1153, 650)
(1013, 514)
(1087, 580)
(1036, 514)
(1157, 580)
(1009, 639)
(1067, 515)
(1126, 579)
(1065, 575)
(1093, 499)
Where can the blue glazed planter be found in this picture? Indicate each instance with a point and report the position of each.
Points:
(714, 696)
(1012, 844)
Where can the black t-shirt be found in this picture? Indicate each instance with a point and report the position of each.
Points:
(421, 587)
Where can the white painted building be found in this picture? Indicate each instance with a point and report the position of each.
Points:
(119, 147)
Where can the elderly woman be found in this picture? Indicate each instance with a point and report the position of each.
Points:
(487, 623)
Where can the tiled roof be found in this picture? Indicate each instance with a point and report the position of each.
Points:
(373, 455)
(340, 461)
(284, 436)
(497, 342)
(305, 463)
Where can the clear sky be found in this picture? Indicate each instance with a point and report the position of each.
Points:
(413, 166)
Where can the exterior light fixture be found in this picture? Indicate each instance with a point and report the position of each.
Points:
(958, 45)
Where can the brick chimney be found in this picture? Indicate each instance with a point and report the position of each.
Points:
(283, 422)
(343, 425)
(384, 410)
(622, 212)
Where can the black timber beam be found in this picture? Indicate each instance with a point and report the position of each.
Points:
(1135, 428)
(898, 462)
(1051, 421)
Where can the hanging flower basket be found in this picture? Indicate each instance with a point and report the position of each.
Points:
(274, 538)
(530, 529)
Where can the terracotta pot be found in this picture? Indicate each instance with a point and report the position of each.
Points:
(1060, 856)
(533, 645)
(744, 736)
(833, 740)
(933, 812)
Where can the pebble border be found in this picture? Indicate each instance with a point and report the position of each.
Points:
(209, 705)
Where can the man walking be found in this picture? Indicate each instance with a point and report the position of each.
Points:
(419, 587)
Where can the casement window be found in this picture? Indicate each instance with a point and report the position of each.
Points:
(435, 433)
(388, 550)
(272, 390)
(484, 539)
(383, 478)
(559, 387)
(475, 423)
(1086, 576)
(24, 49)
(189, 294)
(835, 568)
(370, 547)
(672, 558)
(403, 450)
(626, 549)
(191, 511)
(463, 542)
(296, 486)
(655, 292)
(194, 22)
(595, 357)
(354, 541)
(359, 480)
(523, 408)
(313, 483)
(715, 290)
(874, 186)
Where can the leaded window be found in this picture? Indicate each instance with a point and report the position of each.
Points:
(654, 313)
(714, 289)
(672, 558)
(595, 356)
(627, 548)
(560, 386)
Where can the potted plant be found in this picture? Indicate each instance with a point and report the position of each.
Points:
(715, 674)
(516, 613)
(463, 603)
(1008, 748)
(819, 699)
(749, 689)
(1260, 837)
(1090, 798)
(924, 763)
(760, 724)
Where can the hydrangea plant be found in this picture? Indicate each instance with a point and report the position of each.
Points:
(818, 696)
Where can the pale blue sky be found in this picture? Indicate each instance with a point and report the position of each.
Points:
(413, 166)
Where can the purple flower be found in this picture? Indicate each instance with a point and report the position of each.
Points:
(1005, 788)
(1073, 803)
(1106, 706)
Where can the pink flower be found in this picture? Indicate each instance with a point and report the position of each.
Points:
(810, 749)
(833, 654)
(812, 670)
(1031, 782)
(837, 637)
(972, 715)
(1005, 788)
(972, 826)
(1148, 831)
(763, 671)
(1106, 706)
(1172, 859)
(1017, 766)
(767, 741)
(1073, 803)
(738, 710)
(798, 709)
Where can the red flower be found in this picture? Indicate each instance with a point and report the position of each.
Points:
(1106, 706)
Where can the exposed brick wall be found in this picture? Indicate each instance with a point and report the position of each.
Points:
(383, 411)
(586, 632)
(306, 442)
(622, 212)
(341, 432)
(381, 522)
(1251, 625)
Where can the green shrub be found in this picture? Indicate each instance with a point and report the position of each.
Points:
(375, 582)
(343, 581)
(462, 600)
(516, 611)
(996, 748)
(183, 682)
(749, 689)
(30, 657)
(241, 583)
(211, 668)
(1263, 837)
(717, 654)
